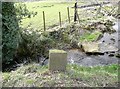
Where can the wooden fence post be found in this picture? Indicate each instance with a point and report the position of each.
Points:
(44, 20)
(78, 17)
(60, 18)
(68, 14)
(75, 13)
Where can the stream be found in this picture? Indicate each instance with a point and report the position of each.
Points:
(78, 57)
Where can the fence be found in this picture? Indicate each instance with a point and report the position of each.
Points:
(69, 19)
(80, 13)
(92, 11)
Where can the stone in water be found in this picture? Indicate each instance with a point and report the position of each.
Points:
(90, 47)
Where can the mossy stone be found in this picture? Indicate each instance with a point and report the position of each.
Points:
(57, 60)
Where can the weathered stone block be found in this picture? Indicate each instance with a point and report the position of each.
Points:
(57, 60)
(90, 47)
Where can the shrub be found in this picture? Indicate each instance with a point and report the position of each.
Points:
(11, 16)
(33, 44)
(9, 30)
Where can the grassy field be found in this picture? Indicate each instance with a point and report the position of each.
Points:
(51, 10)
(39, 76)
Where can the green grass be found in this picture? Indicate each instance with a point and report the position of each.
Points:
(90, 36)
(39, 76)
(51, 10)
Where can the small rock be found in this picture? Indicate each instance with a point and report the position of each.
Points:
(80, 44)
(106, 52)
(118, 55)
(111, 55)
(112, 39)
(112, 52)
(101, 27)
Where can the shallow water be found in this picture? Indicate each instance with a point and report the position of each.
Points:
(78, 57)
(107, 37)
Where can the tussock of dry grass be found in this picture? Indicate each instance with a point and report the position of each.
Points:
(39, 76)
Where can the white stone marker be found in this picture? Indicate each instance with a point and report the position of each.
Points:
(57, 60)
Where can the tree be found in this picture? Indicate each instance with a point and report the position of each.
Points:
(10, 29)
(12, 13)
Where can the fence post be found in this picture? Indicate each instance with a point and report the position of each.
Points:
(44, 20)
(68, 14)
(75, 13)
(78, 17)
(60, 18)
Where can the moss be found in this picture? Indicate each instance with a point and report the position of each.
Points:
(6, 76)
(30, 81)
(57, 51)
(90, 36)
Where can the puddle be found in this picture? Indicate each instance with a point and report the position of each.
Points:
(77, 57)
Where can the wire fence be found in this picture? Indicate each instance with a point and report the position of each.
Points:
(61, 19)
(90, 12)
(83, 12)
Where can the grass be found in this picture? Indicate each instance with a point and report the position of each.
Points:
(57, 51)
(51, 10)
(39, 76)
(90, 36)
